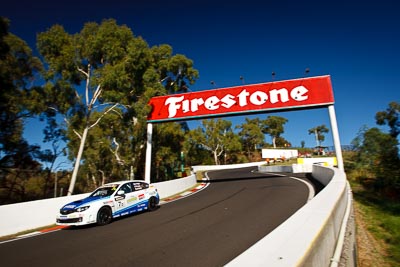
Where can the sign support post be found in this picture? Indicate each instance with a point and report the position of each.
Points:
(148, 152)
(335, 134)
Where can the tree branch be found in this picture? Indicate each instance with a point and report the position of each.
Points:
(99, 119)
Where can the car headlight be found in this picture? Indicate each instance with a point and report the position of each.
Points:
(80, 209)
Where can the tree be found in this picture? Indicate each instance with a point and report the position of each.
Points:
(378, 154)
(251, 135)
(55, 135)
(18, 69)
(169, 144)
(273, 126)
(319, 131)
(217, 136)
(391, 118)
(118, 71)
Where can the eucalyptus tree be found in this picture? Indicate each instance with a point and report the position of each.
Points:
(377, 156)
(217, 137)
(105, 69)
(319, 131)
(169, 140)
(18, 70)
(274, 126)
(251, 134)
(391, 117)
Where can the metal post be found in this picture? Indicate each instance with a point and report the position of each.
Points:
(148, 152)
(336, 140)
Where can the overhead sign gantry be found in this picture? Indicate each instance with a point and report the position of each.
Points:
(304, 93)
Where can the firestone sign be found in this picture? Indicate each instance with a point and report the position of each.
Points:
(240, 100)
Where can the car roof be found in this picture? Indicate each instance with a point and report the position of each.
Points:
(122, 182)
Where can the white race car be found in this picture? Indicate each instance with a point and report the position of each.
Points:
(110, 201)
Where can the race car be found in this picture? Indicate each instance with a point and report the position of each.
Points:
(110, 201)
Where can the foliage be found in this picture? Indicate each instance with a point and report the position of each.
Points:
(217, 137)
(18, 68)
(251, 135)
(375, 160)
(273, 126)
(391, 118)
(168, 138)
(120, 74)
(319, 131)
(378, 155)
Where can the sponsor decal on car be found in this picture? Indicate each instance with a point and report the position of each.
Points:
(118, 198)
(132, 199)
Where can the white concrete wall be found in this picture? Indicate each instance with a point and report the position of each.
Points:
(224, 167)
(169, 188)
(34, 214)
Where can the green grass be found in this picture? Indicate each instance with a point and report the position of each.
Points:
(383, 218)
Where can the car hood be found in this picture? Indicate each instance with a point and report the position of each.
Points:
(82, 202)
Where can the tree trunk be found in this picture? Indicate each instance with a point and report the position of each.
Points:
(78, 161)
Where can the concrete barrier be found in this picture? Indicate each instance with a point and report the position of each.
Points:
(309, 237)
(169, 188)
(33, 214)
(225, 167)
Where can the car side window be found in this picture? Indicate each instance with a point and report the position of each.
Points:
(127, 188)
(139, 186)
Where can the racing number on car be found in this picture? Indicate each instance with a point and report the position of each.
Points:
(120, 204)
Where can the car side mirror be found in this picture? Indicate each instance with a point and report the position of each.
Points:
(121, 192)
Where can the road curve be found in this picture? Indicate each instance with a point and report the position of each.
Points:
(210, 228)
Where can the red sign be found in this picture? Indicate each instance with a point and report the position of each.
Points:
(240, 100)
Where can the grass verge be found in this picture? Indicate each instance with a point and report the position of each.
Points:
(381, 219)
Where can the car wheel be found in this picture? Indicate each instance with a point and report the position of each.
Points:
(152, 204)
(104, 216)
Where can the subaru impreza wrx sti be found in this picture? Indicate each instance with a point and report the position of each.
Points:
(110, 201)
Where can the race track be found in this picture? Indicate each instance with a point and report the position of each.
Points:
(209, 228)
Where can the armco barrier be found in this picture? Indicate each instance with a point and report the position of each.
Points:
(310, 236)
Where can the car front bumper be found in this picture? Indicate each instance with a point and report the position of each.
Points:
(75, 219)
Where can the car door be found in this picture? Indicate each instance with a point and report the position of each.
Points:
(123, 200)
(140, 194)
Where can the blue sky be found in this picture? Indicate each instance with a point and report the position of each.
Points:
(357, 43)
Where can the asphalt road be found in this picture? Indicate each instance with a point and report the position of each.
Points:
(210, 228)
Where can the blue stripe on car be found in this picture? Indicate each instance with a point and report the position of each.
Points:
(132, 208)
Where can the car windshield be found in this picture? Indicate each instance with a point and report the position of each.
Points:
(104, 191)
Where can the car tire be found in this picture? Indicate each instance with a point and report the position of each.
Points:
(152, 204)
(104, 216)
